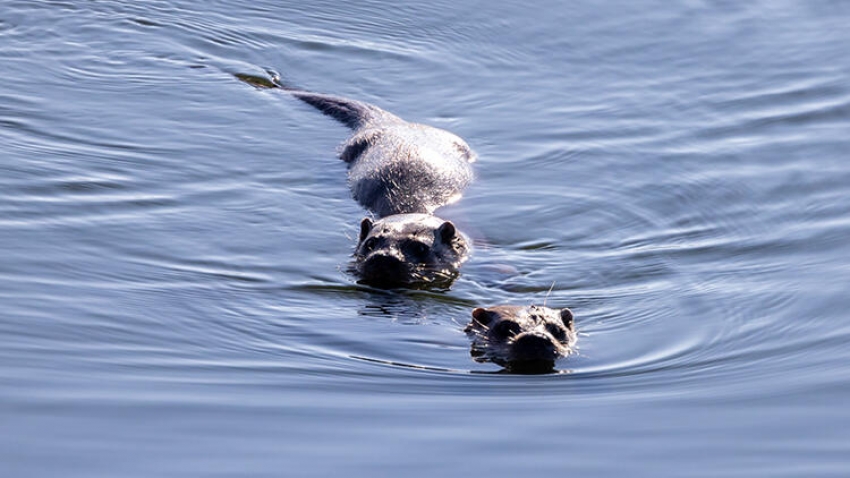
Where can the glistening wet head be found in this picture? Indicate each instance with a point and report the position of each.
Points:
(521, 339)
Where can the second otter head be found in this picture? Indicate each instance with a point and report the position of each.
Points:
(409, 250)
(521, 339)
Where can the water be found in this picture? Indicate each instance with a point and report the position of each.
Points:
(174, 242)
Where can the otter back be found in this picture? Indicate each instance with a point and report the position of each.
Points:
(401, 167)
(396, 167)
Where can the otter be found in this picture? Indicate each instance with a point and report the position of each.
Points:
(394, 166)
(401, 172)
(415, 250)
(521, 339)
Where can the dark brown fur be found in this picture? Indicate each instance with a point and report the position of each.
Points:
(521, 339)
(413, 250)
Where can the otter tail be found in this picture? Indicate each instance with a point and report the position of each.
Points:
(351, 113)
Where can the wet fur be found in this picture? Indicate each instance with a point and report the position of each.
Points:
(521, 339)
(394, 166)
(417, 250)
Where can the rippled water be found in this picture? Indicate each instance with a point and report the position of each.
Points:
(173, 286)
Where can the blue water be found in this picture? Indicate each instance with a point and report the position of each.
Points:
(173, 290)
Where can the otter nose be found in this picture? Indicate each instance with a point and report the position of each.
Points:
(532, 346)
(382, 268)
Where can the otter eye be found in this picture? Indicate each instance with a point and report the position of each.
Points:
(557, 332)
(506, 328)
(370, 244)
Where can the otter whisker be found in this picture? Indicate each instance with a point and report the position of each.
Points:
(548, 293)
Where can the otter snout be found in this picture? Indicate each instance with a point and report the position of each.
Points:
(383, 268)
(534, 346)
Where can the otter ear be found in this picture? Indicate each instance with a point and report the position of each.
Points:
(365, 228)
(446, 232)
(567, 318)
(481, 316)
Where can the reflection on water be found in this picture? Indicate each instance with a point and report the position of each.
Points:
(174, 287)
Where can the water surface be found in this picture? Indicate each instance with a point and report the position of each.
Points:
(173, 286)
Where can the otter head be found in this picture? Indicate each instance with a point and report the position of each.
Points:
(409, 250)
(521, 339)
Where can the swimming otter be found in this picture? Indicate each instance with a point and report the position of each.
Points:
(521, 339)
(401, 172)
(394, 167)
(414, 250)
